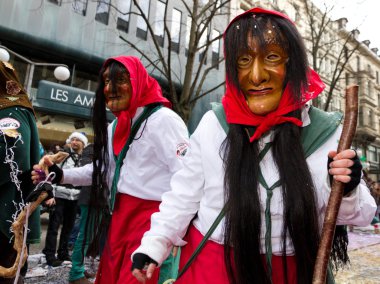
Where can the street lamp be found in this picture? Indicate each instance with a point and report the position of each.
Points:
(61, 72)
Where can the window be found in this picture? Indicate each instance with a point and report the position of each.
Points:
(377, 77)
(187, 39)
(142, 27)
(215, 49)
(202, 42)
(332, 63)
(57, 2)
(158, 24)
(371, 154)
(102, 11)
(369, 87)
(357, 63)
(80, 6)
(176, 30)
(361, 122)
(202, 2)
(347, 78)
(371, 120)
(124, 7)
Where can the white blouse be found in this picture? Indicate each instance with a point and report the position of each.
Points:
(156, 153)
(198, 188)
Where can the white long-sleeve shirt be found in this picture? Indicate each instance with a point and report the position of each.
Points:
(156, 153)
(198, 187)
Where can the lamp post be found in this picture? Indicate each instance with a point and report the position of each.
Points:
(61, 72)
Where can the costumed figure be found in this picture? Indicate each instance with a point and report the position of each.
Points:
(19, 151)
(256, 180)
(134, 159)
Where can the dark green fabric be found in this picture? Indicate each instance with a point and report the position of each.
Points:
(77, 267)
(169, 268)
(323, 125)
(26, 154)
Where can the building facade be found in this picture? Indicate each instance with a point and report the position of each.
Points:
(82, 33)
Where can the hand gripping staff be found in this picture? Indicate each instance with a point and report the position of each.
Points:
(336, 195)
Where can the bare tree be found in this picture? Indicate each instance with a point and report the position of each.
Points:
(185, 89)
(341, 48)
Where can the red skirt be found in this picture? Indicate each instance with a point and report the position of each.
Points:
(208, 266)
(130, 220)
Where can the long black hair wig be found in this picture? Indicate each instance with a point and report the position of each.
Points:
(241, 162)
(99, 207)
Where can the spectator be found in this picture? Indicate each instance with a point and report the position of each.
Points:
(19, 151)
(78, 274)
(65, 202)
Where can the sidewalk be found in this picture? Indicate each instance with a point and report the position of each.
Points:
(362, 237)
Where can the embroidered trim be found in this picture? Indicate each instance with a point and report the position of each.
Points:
(12, 88)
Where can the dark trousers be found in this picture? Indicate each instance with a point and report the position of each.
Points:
(7, 259)
(64, 213)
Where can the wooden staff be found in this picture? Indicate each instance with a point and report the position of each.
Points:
(336, 195)
(18, 231)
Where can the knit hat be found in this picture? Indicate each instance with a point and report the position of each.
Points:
(81, 136)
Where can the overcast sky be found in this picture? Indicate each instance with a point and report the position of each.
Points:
(361, 14)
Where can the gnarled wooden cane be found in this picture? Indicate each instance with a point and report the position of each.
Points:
(18, 231)
(18, 225)
(336, 195)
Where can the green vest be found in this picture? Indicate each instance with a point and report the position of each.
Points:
(26, 154)
(322, 126)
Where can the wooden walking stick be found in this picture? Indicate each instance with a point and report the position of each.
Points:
(18, 231)
(336, 195)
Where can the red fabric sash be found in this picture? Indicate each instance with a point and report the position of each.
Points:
(145, 90)
(209, 267)
(130, 220)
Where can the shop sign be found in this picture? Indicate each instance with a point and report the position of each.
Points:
(62, 99)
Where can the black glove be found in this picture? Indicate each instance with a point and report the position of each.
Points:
(140, 260)
(35, 193)
(355, 175)
(58, 173)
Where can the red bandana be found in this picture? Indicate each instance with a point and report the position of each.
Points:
(238, 112)
(145, 90)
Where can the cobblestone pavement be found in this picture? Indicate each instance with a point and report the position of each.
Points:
(41, 273)
(364, 252)
(364, 269)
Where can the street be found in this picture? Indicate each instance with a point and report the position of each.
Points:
(364, 252)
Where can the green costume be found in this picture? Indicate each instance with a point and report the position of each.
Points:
(26, 154)
(19, 151)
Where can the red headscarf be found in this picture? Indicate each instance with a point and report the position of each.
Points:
(145, 90)
(238, 112)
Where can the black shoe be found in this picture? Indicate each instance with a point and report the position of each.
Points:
(65, 257)
(54, 262)
(89, 274)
